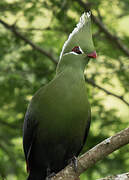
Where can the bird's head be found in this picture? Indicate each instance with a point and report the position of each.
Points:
(80, 40)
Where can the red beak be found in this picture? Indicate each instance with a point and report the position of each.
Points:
(92, 55)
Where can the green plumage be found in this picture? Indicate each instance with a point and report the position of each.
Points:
(63, 103)
(58, 118)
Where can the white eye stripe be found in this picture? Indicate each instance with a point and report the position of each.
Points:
(73, 52)
(81, 50)
(88, 14)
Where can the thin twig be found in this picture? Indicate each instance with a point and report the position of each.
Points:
(42, 29)
(35, 29)
(106, 91)
(110, 36)
(33, 45)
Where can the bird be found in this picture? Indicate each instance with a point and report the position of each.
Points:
(58, 117)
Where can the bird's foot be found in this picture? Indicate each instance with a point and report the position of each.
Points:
(74, 163)
(49, 174)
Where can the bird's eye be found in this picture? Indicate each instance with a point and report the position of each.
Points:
(77, 50)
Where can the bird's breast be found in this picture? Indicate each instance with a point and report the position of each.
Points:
(63, 108)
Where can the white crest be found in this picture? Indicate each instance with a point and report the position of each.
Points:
(88, 14)
(83, 20)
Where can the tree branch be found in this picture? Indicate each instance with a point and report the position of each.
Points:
(42, 51)
(42, 29)
(124, 176)
(106, 91)
(36, 29)
(95, 154)
(113, 38)
(34, 46)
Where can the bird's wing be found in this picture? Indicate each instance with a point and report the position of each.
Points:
(87, 128)
(28, 135)
(86, 133)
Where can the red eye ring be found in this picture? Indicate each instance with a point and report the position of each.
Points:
(76, 49)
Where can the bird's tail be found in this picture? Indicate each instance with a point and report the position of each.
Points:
(35, 176)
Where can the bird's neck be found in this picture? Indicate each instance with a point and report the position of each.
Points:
(74, 66)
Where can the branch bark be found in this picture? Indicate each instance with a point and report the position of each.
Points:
(14, 30)
(124, 176)
(95, 154)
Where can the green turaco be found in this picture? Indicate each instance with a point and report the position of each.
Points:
(57, 120)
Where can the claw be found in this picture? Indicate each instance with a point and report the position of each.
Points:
(74, 162)
(49, 174)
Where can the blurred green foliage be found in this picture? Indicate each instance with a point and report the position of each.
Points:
(23, 70)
